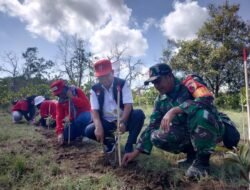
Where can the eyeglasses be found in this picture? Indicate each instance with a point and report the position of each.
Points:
(157, 81)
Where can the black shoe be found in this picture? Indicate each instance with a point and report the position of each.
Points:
(187, 161)
(109, 148)
(196, 171)
(199, 168)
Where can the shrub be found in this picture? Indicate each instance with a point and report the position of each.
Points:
(228, 101)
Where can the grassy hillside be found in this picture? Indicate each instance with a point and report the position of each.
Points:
(31, 159)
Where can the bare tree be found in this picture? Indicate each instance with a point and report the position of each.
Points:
(74, 58)
(64, 52)
(134, 69)
(10, 65)
(130, 68)
(117, 57)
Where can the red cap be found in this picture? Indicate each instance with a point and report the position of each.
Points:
(57, 87)
(102, 67)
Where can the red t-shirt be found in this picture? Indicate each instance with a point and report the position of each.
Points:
(81, 104)
(21, 105)
(48, 108)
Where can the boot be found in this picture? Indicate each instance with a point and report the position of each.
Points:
(190, 157)
(188, 160)
(199, 168)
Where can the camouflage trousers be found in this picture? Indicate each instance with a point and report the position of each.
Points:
(203, 132)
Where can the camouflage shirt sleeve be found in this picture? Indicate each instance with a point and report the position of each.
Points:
(144, 144)
(188, 107)
(191, 106)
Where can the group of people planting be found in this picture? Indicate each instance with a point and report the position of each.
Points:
(184, 118)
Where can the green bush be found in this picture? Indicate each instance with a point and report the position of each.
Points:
(8, 96)
(228, 101)
(22, 89)
(146, 97)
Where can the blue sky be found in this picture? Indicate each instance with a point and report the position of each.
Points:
(143, 26)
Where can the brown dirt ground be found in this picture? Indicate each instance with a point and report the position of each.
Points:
(87, 159)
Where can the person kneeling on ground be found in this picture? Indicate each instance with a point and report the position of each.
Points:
(104, 108)
(73, 110)
(179, 125)
(47, 111)
(24, 108)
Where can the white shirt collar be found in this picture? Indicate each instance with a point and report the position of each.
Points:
(111, 87)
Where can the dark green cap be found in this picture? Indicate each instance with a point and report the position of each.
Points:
(157, 71)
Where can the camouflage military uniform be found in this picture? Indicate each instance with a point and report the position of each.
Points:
(204, 124)
(198, 125)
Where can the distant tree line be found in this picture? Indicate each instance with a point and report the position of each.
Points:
(216, 55)
(33, 74)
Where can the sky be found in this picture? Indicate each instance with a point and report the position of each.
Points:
(142, 26)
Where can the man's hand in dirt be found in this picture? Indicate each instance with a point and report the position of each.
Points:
(128, 157)
(60, 139)
(99, 134)
(122, 127)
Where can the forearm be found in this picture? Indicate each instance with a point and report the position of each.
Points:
(60, 115)
(126, 112)
(59, 124)
(144, 144)
(96, 119)
(189, 106)
(176, 110)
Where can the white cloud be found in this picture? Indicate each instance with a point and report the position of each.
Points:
(185, 21)
(88, 19)
(117, 36)
(148, 23)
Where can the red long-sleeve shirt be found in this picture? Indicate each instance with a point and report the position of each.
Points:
(21, 105)
(48, 108)
(27, 110)
(81, 104)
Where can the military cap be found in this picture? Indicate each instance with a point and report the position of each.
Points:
(156, 71)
